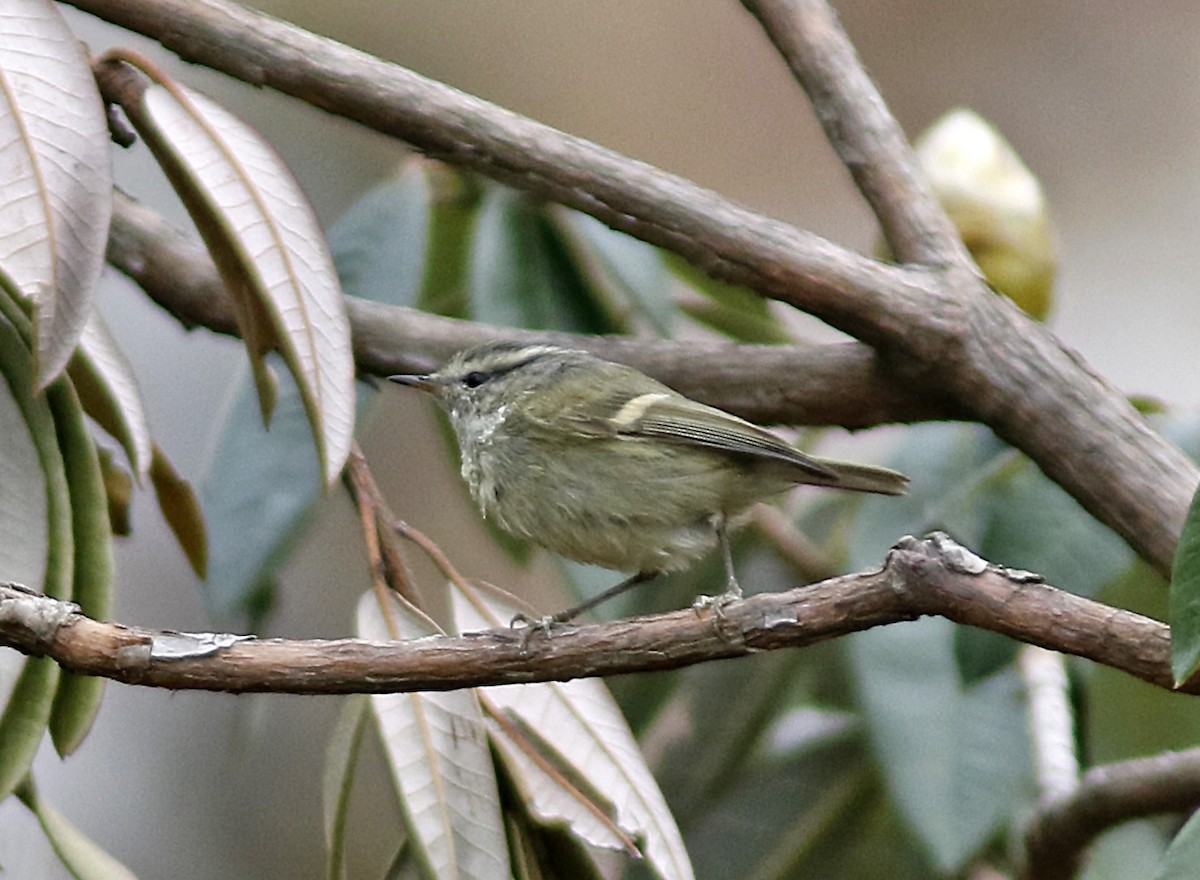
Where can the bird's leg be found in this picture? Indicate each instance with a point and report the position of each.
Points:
(733, 590)
(632, 581)
(571, 613)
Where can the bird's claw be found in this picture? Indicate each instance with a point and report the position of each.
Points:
(733, 592)
(532, 625)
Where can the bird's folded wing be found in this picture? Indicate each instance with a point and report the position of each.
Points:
(675, 419)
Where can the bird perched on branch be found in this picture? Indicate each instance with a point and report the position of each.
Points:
(604, 465)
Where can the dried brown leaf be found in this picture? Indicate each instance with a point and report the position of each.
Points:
(180, 509)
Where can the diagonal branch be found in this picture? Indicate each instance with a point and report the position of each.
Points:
(1007, 370)
(931, 576)
(725, 239)
(861, 130)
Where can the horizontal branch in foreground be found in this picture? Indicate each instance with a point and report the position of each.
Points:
(933, 576)
(840, 384)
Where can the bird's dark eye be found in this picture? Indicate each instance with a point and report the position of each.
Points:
(474, 379)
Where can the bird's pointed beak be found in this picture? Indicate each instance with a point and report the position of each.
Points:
(427, 383)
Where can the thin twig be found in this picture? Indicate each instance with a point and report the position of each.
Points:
(799, 551)
(367, 492)
(387, 573)
(439, 558)
(432, 550)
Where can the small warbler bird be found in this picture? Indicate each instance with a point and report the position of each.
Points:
(604, 465)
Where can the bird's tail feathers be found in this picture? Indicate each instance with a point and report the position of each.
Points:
(859, 477)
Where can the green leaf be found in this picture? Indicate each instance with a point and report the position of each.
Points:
(453, 204)
(16, 365)
(733, 311)
(968, 483)
(1185, 598)
(956, 759)
(521, 276)
(1031, 523)
(1035, 525)
(995, 501)
(24, 720)
(1128, 718)
(26, 494)
(622, 271)
(819, 811)
(792, 817)
(78, 698)
(1132, 849)
(109, 392)
(1125, 717)
(728, 708)
(1183, 855)
(407, 241)
(36, 504)
(78, 854)
(950, 467)
(337, 779)
(118, 491)
(256, 493)
(379, 245)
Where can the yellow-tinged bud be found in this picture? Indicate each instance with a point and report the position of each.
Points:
(997, 205)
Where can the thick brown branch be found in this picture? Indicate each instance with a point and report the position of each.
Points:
(1048, 402)
(932, 576)
(861, 130)
(941, 328)
(1109, 795)
(1008, 371)
(841, 384)
(723, 238)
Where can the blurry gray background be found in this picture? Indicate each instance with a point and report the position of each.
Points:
(1101, 100)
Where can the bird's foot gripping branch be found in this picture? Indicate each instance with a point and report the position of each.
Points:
(930, 576)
